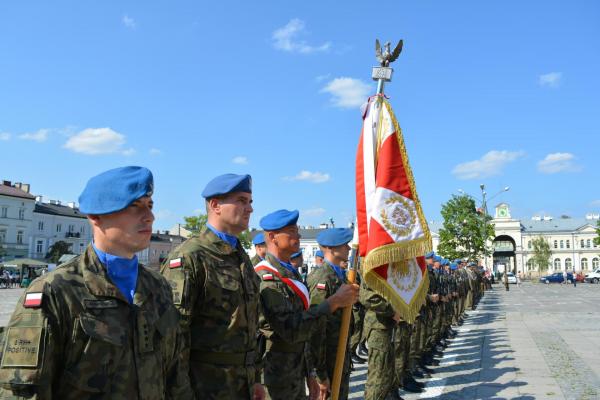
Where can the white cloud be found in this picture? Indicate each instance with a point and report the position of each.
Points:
(347, 92)
(128, 22)
(4, 136)
(323, 77)
(94, 141)
(490, 164)
(240, 160)
(558, 162)
(154, 152)
(551, 79)
(286, 39)
(313, 212)
(595, 203)
(128, 152)
(314, 177)
(39, 136)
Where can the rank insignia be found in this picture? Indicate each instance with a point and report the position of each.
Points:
(33, 300)
(267, 277)
(321, 286)
(175, 263)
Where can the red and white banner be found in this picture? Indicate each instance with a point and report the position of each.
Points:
(297, 287)
(392, 231)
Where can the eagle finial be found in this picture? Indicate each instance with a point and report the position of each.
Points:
(387, 57)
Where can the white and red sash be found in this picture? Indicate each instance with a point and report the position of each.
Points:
(297, 287)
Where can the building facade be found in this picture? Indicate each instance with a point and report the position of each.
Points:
(161, 245)
(16, 214)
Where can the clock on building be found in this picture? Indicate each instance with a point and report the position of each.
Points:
(502, 211)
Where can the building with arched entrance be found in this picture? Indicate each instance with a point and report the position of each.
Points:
(571, 242)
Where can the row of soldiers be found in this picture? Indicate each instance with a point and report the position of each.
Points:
(399, 352)
(210, 325)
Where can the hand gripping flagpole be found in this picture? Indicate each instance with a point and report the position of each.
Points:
(381, 74)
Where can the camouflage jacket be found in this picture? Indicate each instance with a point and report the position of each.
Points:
(379, 313)
(284, 322)
(255, 260)
(322, 283)
(215, 290)
(83, 340)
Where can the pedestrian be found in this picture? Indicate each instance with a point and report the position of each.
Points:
(100, 326)
(216, 293)
(574, 279)
(288, 321)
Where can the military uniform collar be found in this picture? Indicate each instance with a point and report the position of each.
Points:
(275, 262)
(215, 241)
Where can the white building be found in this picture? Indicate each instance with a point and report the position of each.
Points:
(571, 241)
(16, 213)
(53, 222)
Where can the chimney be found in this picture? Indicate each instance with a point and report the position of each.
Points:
(71, 204)
(39, 199)
(55, 202)
(166, 232)
(7, 183)
(25, 187)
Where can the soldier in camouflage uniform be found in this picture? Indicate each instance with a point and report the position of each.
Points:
(259, 247)
(322, 284)
(100, 326)
(216, 292)
(288, 320)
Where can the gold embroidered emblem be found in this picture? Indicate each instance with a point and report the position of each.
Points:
(404, 275)
(403, 216)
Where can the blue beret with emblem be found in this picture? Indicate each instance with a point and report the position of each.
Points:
(227, 183)
(259, 238)
(430, 254)
(319, 253)
(279, 219)
(453, 266)
(115, 189)
(297, 254)
(334, 237)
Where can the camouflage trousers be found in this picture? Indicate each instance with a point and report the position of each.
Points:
(380, 375)
(226, 382)
(357, 336)
(401, 341)
(285, 375)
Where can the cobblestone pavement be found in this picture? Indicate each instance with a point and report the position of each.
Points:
(533, 342)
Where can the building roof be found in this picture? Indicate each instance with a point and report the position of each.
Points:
(165, 237)
(58, 209)
(306, 234)
(556, 225)
(11, 191)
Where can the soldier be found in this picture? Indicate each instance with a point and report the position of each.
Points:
(259, 247)
(100, 326)
(215, 290)
(323, 283)
(318, 259)
(287, 320)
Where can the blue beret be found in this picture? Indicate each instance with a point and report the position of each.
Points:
(296, 255)
(228, 183)
(430, 254)
(437, 259)
(259, 238)
(115, 189)
(453, 266)
(319, 253)
(334, 237)
(279, 219)
(458, 261)
(445, 262)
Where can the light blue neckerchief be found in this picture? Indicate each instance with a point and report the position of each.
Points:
(226, 237)
(122, 271)
(341, 273)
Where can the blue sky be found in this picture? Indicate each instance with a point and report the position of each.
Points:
(501, 93)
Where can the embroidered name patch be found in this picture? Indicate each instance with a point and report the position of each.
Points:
(175, 263)
(101, 304)
(267, 277)
(32, 300)
(22, 347)
(321, 286)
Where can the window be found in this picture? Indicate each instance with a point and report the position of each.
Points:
(58, 227)
(582, 243)
(556, 244)
(562, 244)
(82, 229)
(529, 244)
(4, 211)
(19, 237)
(588, 244)
(40, 225)
(568, 244)
(2, 235)
(595, 263)
(39, 246)
(21, 213)
(71, 228)
(584, 263)
(530, 265)
(557, 263)
(568, 263)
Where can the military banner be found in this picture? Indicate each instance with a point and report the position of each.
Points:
(392, 231)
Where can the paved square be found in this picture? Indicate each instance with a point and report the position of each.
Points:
(533, 342)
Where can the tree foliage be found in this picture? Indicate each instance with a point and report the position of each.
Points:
(195, 223)
(57, 250)
(597, 238)
(541, 253)
(465, 231)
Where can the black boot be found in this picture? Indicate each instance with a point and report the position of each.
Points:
(357, 359)
(410, 385)
(393, 395)
(420, 373)
(362, 349)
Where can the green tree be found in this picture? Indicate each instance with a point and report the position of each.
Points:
(465, 231)
(195, 223)
(57, 250)
(597, 238)
(541, 253)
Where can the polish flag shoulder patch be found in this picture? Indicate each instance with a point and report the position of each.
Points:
(175, 263)
(267, 277)
(33, 300)
(321, 286)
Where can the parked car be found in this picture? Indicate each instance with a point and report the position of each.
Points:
(593, 277)
(556, 277)
(511, 278)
